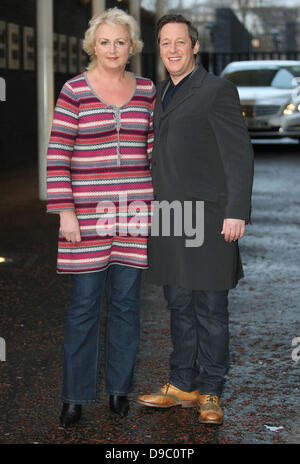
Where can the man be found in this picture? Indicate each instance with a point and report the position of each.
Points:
(202, 152)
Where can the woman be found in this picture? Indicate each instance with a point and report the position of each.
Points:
(98, 165)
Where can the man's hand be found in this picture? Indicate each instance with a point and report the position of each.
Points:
(233, 229)
(69, 226)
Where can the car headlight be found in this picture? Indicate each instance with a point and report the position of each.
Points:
(291, 108)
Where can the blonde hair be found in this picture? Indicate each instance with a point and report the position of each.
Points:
(111, 16)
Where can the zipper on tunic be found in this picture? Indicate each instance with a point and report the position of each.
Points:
(117, 117)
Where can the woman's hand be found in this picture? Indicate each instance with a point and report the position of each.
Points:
(69, 226)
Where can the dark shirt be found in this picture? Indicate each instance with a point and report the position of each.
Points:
(172, 89)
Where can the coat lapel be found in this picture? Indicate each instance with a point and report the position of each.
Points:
(158, 106)
(186, 91)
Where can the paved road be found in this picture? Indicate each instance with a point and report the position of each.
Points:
(261, 397)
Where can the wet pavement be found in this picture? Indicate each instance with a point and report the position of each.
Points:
(261, 399)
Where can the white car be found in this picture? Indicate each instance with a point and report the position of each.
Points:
(268, 91)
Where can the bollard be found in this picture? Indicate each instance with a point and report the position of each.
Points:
(2, 89)
(2, 349)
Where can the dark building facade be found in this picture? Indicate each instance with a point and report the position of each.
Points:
(18, 47)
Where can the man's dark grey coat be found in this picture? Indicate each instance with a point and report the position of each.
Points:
(202, 151)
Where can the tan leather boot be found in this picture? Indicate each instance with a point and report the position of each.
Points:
(210, 410)
(169, 396)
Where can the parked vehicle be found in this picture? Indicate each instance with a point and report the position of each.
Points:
(268, 91)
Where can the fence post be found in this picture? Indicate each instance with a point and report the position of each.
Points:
(135, 11)
(45, 84)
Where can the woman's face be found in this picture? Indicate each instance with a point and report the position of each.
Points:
(113, 46)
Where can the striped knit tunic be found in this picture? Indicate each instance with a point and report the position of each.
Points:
(98, 165)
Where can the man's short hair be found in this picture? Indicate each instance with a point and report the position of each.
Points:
(176, 18)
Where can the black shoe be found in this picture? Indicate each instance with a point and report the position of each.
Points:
(70, 414)
(119, 405)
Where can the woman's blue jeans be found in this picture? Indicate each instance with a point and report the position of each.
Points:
(82, 342)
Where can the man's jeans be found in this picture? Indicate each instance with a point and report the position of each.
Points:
(199, 332)
(82, 333)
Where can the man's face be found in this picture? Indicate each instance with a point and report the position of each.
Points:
(176, 50)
